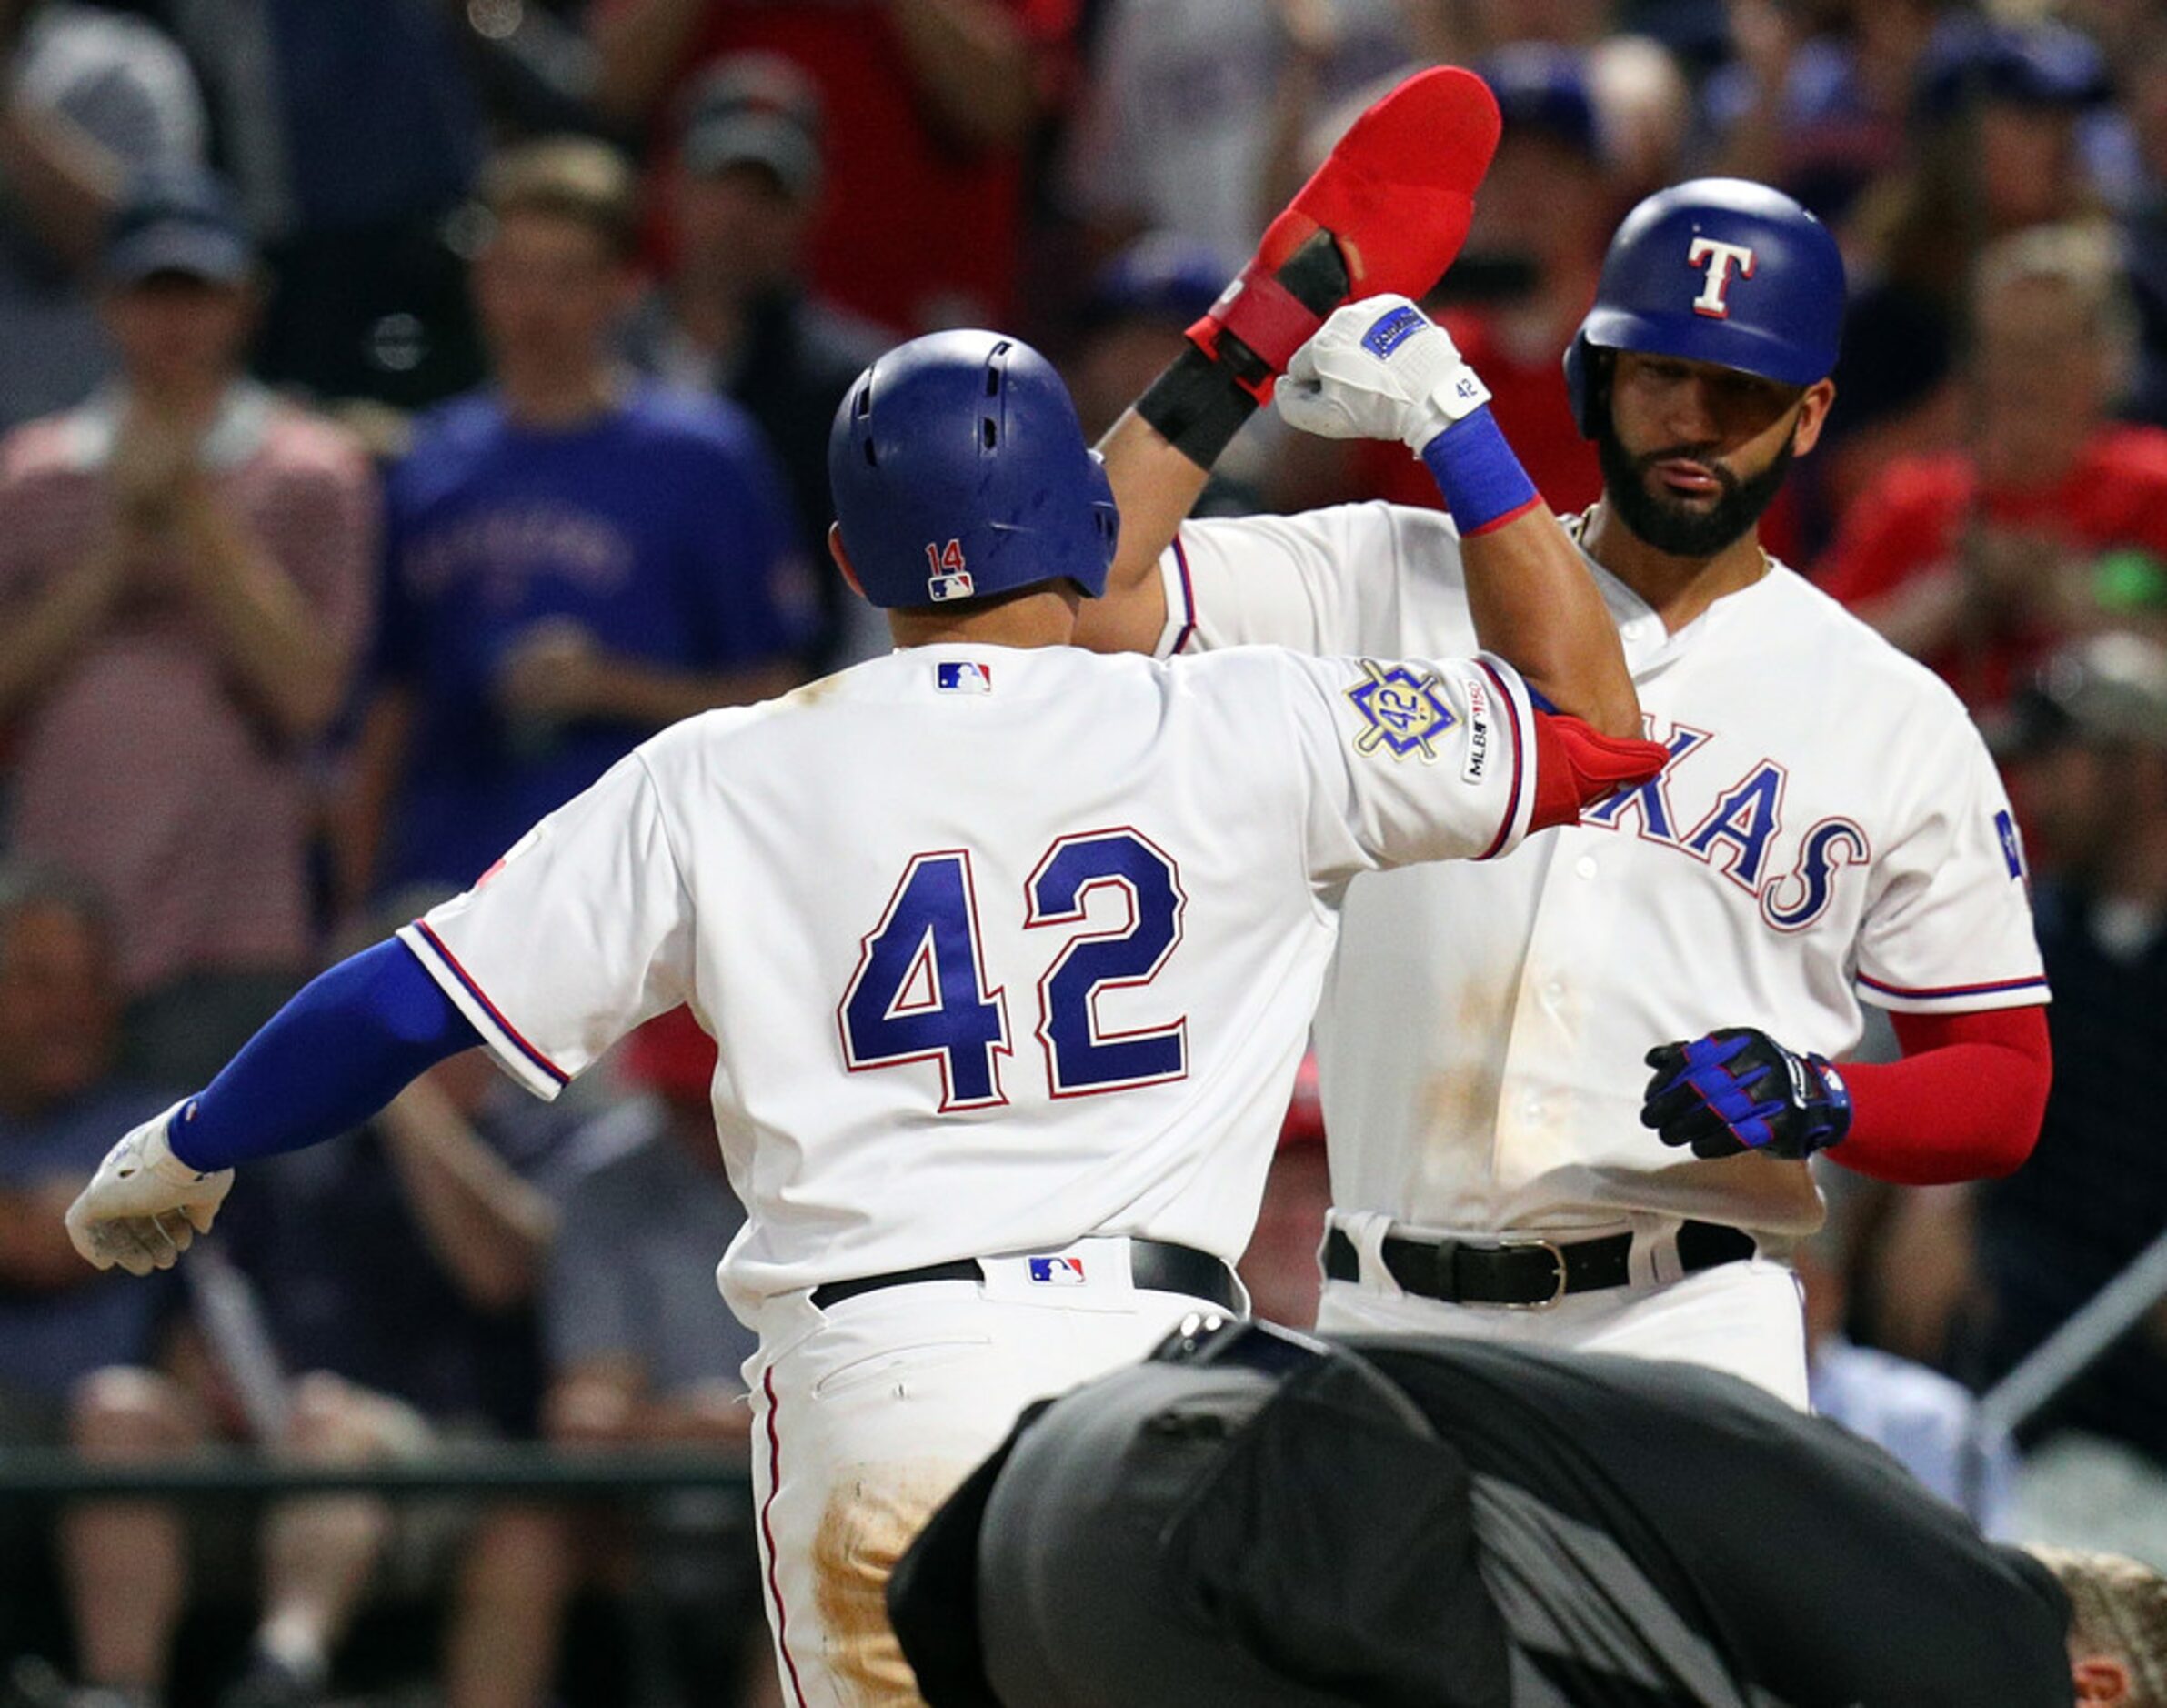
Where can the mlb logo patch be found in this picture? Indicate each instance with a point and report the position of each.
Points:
(1056, 1272)
(946, 576)
(963, 677)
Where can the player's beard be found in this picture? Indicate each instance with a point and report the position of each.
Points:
(1671, 527)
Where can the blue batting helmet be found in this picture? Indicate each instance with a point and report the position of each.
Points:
(960, 470)
(1716, 270)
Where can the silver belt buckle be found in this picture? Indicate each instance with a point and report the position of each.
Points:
(1556, 1253)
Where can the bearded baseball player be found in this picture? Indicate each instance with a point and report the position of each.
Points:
(1009, 949)
(1570, 1096)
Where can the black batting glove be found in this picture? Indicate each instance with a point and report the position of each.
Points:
(1739, 1090)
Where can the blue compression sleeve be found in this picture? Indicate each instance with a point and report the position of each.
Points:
(327, 1061)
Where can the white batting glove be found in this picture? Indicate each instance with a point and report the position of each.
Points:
(1379, 369)
(143, 1206)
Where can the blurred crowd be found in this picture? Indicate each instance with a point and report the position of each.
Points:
(411, 405)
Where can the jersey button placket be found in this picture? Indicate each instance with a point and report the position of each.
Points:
(1535, 1109)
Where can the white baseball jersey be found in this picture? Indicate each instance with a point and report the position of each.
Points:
(1002, 948)
(1830, 830)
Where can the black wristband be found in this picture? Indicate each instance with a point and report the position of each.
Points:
(1197, 405)
(1200, 402)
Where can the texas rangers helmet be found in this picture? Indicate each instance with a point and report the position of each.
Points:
(960, 470)
(1715, 270)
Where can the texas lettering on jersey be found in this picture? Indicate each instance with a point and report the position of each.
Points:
(1738, 832)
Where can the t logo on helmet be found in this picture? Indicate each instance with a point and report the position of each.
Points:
(1715, 261)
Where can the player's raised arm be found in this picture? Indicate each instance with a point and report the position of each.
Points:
(1379, 369)
(1387, 211)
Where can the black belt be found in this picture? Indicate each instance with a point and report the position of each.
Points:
(1524, 1270)
(1154, 1267)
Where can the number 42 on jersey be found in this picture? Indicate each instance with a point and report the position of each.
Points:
(919, 992)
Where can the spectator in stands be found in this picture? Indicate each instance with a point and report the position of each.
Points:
(2089, 748)
(736, 314)
(1994, 151)
(1176, 131)
(2144, 223)
(1644, 105)
(59, 1014)
(643, 1353)
(1980, 560)
(377, 1294)
(354, 133)
(1132, 319)
(1131, 323)
(185, 571)
(575, 559)
(1818, 99)
(91, 97)
(1997, 111)
(931, 107)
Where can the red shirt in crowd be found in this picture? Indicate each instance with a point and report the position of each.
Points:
(1911, 522)
(915, 232)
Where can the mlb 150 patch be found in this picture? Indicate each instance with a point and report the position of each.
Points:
(1401, 712)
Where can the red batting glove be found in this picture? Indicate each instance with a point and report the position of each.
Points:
(1386, 212)
(1577, 766)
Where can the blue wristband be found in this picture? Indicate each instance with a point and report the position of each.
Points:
(1482, 482)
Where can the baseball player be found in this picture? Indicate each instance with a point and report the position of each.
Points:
(1829, 831)
(1257, 1517)
(1009, 951)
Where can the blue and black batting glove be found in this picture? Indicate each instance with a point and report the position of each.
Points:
(1739, 1090)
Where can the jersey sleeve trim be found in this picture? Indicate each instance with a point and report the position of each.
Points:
(1181, 600)
(1986, 994)
(528, 1065)
(1519, 802)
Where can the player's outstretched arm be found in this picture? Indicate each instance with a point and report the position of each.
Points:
(326, 1062)
(1379, 369)
(1387, 211)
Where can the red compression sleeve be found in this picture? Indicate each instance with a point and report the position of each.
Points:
(1963, 1104)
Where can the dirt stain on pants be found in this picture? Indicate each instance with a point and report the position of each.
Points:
(872, 1515)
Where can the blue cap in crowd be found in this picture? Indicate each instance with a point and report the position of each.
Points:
(756, 109)
(2047, 67)
(178, 219)
(1162, 276)
(1544, 88)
